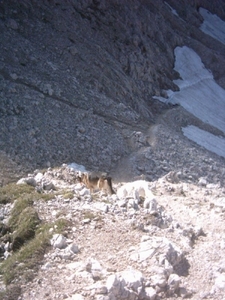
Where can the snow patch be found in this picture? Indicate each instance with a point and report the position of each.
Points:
(201, 96)
(172, 9)
(213, 25)
(209, 141)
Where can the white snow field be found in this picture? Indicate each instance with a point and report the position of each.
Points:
(213, 25)
(207, 140)
(199, 93)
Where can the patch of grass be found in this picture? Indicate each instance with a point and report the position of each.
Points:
(26, 226)
(60, 225)
(4, 229)
(23, 263)
(68, 195)
(30, 239)
(12, 191)
(19, 206)
(46, 197)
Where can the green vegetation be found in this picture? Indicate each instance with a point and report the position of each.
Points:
(29, 236)
(25, 227)
(68, 195)
(47, 196)
(18, 207)
(12, 191)
(25, 261)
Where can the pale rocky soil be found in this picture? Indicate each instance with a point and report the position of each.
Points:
(194, 206)
(195, 225)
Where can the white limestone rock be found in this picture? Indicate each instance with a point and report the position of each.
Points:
(84, 192)
(73, 248)
(202, 181)
(220, 282)
(39, 177)
(161, 247)
(58, 241)
(7, 254)
(132, 278)
(174, 282)
(150, 293)
(47, 185)
(158, 280)
(94, 267)
(101, 206)
(125, 285)
(27, 180)
(102, 297)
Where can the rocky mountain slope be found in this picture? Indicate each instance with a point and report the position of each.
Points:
(78, 81)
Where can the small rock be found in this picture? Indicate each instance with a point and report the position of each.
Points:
(73, 248)
(102, 290)
(173, 282)
(220, 282)
(76, 297)
(202, 181)
(150, 293)
(13, 76)
(7, 254)
(122, 203)
(46, 266)
(28, 180)
(7, 246)
(58, 241)
(159, 280)
(39, 177)
(48, 185)
(84, 192)
(94, 267)
(86, 221)
(185, 294)
(125, 285)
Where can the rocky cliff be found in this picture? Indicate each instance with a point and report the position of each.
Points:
(78, 80)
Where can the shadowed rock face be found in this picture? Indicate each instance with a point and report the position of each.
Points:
(78, 77)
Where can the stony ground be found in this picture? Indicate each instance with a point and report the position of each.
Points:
(108, 235)
(77, 83)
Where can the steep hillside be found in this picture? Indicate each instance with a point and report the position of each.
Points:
(132, 88)
(78, 80)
